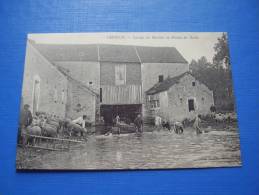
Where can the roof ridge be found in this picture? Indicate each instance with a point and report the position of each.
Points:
(62, 70)
(110, 52)
(166, 84)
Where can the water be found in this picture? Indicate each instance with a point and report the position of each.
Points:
(160, 149)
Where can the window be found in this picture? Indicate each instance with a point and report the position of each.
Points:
(36, 94)
(55, 95)
(160, 78)
(153, 101)
(202, 99)
(193, 83)
(101, 94)
(181, 100)
(154, 104)
(148, 98)
(120, 74)
(191, 105)
(63, 96)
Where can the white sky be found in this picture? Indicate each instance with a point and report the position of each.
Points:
(191, 45)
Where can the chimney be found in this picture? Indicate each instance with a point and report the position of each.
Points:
(160, 78)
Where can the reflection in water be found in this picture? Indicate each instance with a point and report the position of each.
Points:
(149, 150)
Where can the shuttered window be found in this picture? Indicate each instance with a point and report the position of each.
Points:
(120, 74)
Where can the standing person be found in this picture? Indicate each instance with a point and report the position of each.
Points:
(196, 124)
(158, 121)
(139, 123)
(26, 116)
(213, 111)
(117, 120)
(117, 123)
(25, 119)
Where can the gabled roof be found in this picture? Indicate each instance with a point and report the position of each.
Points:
(80, 84)
(160, 55)
(67, 52)
(109, 53)
(166, 84)
(118, 53)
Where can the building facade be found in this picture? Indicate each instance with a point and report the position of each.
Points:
(44, 86)
(178, 98)
(120, 82)
(110, 80)
(80, 101)
(50, 89)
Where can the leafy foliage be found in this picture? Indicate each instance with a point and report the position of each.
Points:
(217, 75)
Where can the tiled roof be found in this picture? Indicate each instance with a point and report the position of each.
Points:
(110, 53)
(80, 84)
(160, 55)
(67, 52)
(166, 84)
(118, 53)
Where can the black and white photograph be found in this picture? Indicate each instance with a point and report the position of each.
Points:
(113, 101)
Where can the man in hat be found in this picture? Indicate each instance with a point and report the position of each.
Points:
(138, 124)
(25, 119)
(26, 116)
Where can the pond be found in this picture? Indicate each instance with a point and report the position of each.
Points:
(150, 150)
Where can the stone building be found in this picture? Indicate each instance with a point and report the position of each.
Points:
(103, 79)
(81, 100)
(80, 61)
(178, 98)
(44, 86)
(121, 87)
(158, 63)
(51, 89)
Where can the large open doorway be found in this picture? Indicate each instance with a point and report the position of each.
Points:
(127, 112)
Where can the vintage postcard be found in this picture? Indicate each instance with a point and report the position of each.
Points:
(109, 101)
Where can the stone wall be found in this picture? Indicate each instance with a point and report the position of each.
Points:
(150, 73)
(86, 72)
(179, 94)
(107, 73)
(174, 102)
(51, 84)
(80, 102)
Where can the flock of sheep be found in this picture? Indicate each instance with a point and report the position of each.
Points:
(50, 126)
(220, 117)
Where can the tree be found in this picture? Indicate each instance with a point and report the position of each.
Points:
(221, 57)
(216, 77)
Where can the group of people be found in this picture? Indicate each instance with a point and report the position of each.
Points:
(178, 126)
(27, 118)
(138, 123)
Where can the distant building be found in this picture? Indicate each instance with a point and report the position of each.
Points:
(180, 97)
